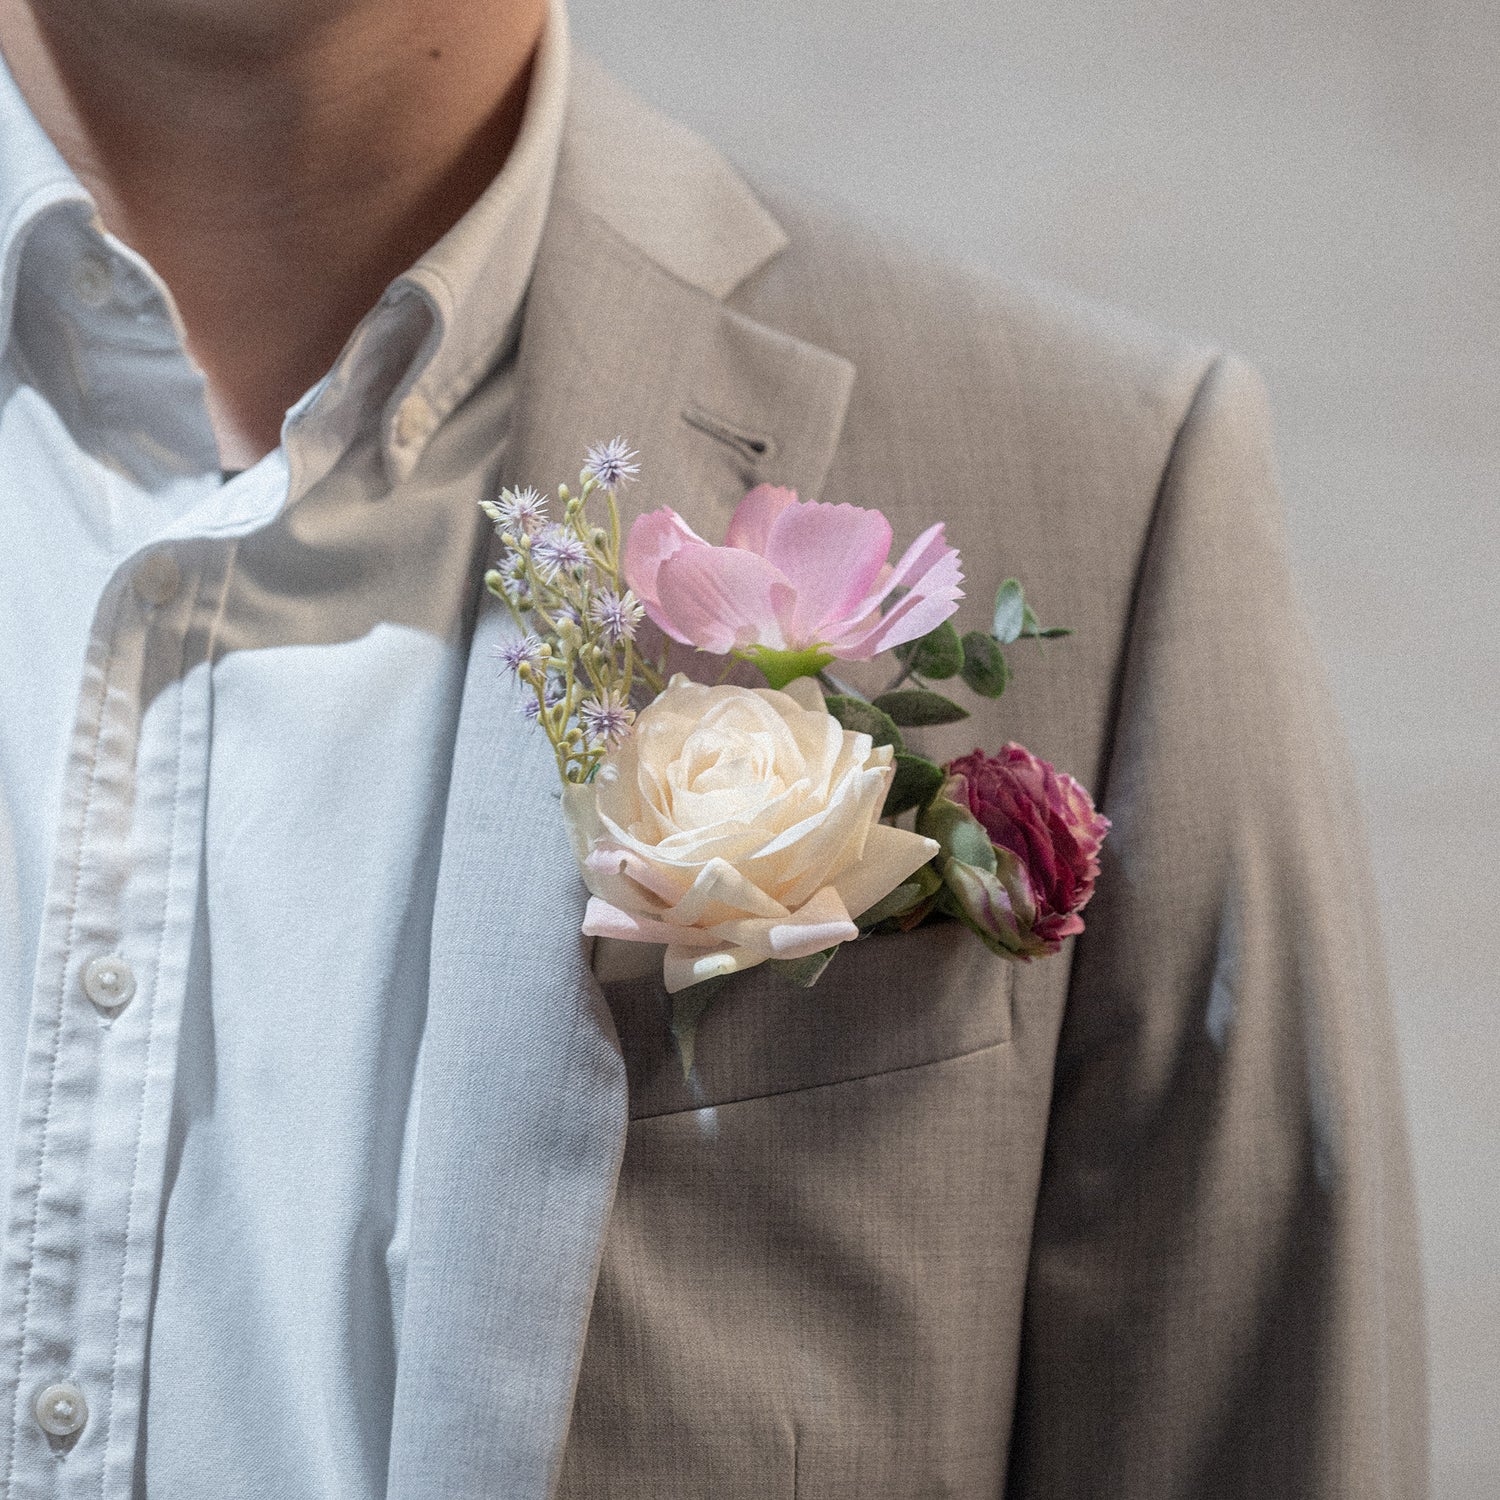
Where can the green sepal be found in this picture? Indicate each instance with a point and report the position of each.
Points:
(916, 782)
(958, 832)
(902, 901)
(914, 708)
(984, 670)
(803, 972)
(971, 895)
(688, 1006)
(939, 654)
(994, 905)
(865, 718)
(782, 667)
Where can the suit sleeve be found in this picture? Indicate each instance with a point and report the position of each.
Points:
(1223, 1297)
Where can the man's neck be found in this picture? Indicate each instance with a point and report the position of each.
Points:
(277, 161)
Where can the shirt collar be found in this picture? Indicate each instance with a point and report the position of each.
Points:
(437, 329)
(467, 291)
(34, 179)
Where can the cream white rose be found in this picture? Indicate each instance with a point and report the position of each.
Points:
(736, 825)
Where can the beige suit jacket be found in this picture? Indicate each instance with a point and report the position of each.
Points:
(1135, 1221)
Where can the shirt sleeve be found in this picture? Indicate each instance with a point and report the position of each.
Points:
(1223, 1296)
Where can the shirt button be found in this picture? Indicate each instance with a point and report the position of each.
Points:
(60, 1409)
(109, 982)
(157, 578)
(92, 281)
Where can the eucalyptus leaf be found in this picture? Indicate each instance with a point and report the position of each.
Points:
(1010, 612)
(865, 718)
(803, 972)
(984, 668)
(939, 654)
(915, 707)
(916, 782)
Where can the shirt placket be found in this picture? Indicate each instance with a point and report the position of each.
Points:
(85, 1198)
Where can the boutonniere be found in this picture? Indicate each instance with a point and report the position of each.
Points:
(744, 825)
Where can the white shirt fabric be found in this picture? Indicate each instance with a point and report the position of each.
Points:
(227, 712)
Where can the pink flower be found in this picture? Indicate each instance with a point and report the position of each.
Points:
(1047, 821)
(793, 577)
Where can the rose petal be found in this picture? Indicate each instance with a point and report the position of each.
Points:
(602, 919)
(890, 856)
(682, 966)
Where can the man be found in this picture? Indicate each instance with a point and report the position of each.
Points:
(332, 1171)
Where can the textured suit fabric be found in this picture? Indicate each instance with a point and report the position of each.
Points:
(1135, 1221)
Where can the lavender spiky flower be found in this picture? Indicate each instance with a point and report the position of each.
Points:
(558, 550)
(520, 512)
(519, 651)
(574, 654)
(612, 463)
(606, 717)
(617, 615)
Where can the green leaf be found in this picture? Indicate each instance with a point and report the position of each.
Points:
(938, 654)
(984, 665)
(1010, 612)
(958, 832)
(1051, 632)
(803, 972)
(865, 718)
(909, 894)
(914, 707)
(916, 782)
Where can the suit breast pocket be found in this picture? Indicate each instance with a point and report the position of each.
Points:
(885, 1003)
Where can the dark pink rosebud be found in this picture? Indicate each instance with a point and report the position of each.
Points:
(1047, 820)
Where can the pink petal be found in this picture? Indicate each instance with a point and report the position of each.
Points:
(717, 598)
(655, 536)
(923, 553)
(933, 597)
(751, 523)
(832, 555)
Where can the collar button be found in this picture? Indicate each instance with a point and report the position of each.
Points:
(92, 280)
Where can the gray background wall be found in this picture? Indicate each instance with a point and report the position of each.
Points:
(1318, 187)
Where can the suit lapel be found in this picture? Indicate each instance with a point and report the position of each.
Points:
(522, 1113)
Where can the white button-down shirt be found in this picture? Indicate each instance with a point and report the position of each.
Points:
(226, 720)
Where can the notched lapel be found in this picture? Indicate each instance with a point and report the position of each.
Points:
(524, 1093)
(713, 401)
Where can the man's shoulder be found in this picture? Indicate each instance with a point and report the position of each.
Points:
(946, 336)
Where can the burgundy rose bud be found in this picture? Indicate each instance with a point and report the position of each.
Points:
(1047, 821)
